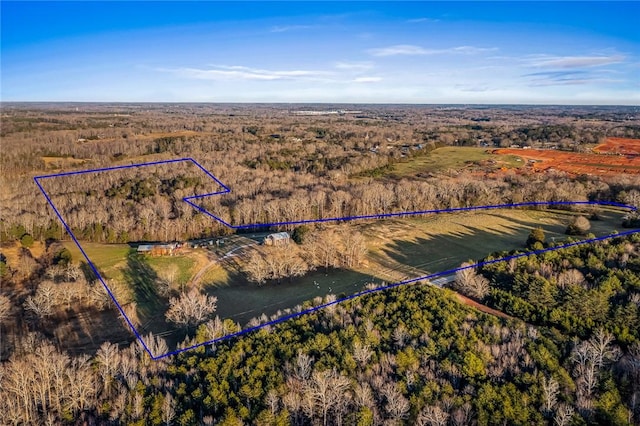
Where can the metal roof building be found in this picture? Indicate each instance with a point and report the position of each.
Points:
(276, 239)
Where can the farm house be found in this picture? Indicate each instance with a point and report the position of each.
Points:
(159, 249)
(277, 239)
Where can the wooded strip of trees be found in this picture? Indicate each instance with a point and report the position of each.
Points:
(330, 248)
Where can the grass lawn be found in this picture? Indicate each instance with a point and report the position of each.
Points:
(184, 266)
(241, 300)
(456, 158)
(108, 258)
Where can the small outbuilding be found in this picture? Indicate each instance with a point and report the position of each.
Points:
(277, 239)
(160, 249)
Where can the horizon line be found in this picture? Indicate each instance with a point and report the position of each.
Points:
(317, 103)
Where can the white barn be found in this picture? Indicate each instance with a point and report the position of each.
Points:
(277, 239)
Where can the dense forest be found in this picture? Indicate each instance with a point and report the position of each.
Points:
(553, 337)
(410, 355)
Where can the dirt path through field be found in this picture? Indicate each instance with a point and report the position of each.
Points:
(195, 280)
(479, 306)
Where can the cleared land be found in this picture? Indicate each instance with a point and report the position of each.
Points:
(576, 163)
(623, 146)
(454, 158)
(63, 162)
(398, 249)
(12, 252)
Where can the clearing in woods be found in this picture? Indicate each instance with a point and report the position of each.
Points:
(398, 249)
(622, 146)
(576, 163)
(453, 158)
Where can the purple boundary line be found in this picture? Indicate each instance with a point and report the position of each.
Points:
(347, 218)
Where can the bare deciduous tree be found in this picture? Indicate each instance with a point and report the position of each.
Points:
(43, 301)
(470, 283)
(570, 277)
(323, 392)
(168, 409)
(361, 353)
(564, 413)
(5, 308)
(396, 406)
(432, 415)
(550, 389)
(603, 351)
(191, 308)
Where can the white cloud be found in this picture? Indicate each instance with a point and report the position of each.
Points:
(471, 50)
(545, 61)
(367, 79)
(285, 28)
(409, 49)
(420, 20)
(354, 66)
(236, 72)
(399, 49)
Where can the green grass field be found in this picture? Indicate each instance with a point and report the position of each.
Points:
(108, 258)
(441, 242)
(184, 266)
(455, 158)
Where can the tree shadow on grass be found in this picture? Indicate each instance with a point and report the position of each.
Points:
(241, 300)
(150, 305)
(439, 253)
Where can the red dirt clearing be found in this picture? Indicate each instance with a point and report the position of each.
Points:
(576, 163)
(622, 146)
(483, 308)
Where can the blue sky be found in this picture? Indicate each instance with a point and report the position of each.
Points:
(360, 52)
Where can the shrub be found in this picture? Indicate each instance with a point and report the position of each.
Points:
(62, 257)
(535, 236)
(580, 225)
(26, 240)
(298, 235)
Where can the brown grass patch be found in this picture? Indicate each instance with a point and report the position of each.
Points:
(12, 252)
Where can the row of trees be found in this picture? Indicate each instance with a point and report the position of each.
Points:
(322, 248)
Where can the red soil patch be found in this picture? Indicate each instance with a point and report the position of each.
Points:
(576, 163)
(483, 308)
(622, 146)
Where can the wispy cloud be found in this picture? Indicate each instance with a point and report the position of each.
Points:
(568, 62)
(413, 50)
(221, 72)
(367, 79)
(354, 66)
(285, 28)
(420, 20)
(472, 88)
(399, 49)
(564, 78)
